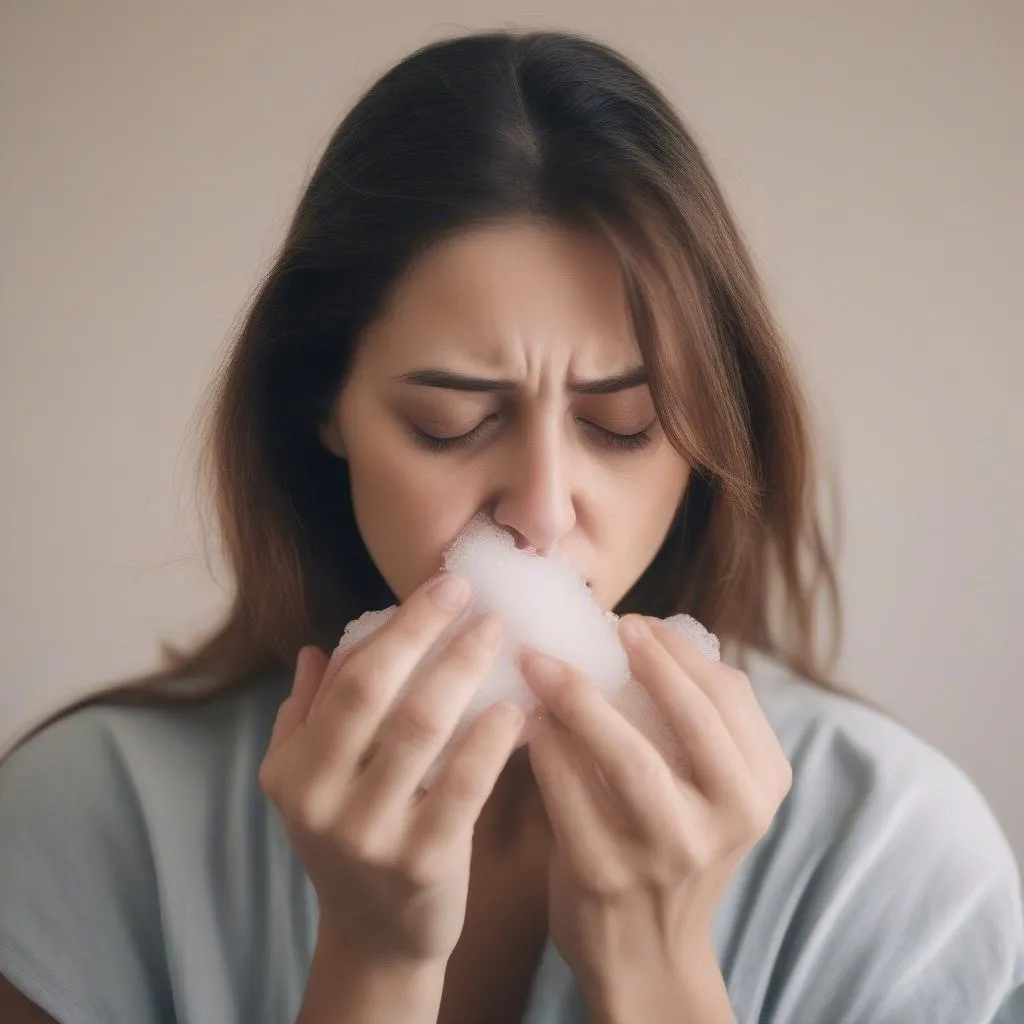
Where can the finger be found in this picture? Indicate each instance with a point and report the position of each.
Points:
(423, 720)
(309, 672)
(577, 802)
(731, 693)
(632, 768)
(361, 691)
(717, 767)
(282, 753)
(338, 657)
(453, 803)
(410, 607)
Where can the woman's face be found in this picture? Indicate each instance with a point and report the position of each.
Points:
(503, 378)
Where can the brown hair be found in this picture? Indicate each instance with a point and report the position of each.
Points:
(475, 130)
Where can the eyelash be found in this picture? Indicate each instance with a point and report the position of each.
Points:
(617, 442)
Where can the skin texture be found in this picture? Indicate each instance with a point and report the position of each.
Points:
(629, 860)
(639, 857)
(541, 308)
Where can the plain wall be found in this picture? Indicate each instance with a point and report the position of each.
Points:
(152, 154)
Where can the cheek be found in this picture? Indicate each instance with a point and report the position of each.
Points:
(407, 513)
(648, 505)
(409, 510)
(665, 489)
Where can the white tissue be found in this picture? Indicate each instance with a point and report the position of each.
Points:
(544, 602)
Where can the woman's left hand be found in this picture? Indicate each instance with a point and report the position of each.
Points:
(642, 855)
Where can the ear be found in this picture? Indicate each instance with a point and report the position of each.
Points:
(330, 438)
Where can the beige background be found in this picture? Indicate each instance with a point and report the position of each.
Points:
(151, 154)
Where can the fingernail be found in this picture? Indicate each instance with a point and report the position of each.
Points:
(634, 630)
(542, 671)
(450, 592)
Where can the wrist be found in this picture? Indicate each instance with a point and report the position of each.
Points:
(345, 984)
(690, 989)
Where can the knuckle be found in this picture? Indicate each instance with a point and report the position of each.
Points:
(649, 773)
(463, 656)
(360, 683)
(482, 635)
(463, 781)
(419, 869)
(413, 630)
(734, 676)
(679, 860)
(729, 683)
(603, 882)
(639, 769)
(313, 810)
(756, 818)
(697, 853)
(360, 843)
(469, 653)
(701, 719)
(267, 777)
(416, 725)
(572, 695)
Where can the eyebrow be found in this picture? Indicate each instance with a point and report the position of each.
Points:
(458, 382)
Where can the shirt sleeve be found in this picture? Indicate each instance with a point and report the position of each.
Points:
(79, 907)
(908, 911)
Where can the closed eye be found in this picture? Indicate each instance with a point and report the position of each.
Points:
(608, 439)
(449, 444)
(620, 442)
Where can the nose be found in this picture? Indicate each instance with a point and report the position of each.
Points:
(535, 498)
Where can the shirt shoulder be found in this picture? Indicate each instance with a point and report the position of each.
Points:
(127, 833)
(885, 889)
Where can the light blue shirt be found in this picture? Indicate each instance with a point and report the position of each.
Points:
(145, 879)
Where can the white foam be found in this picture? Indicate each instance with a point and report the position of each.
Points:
(545, 603)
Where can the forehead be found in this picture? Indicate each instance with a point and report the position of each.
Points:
(508, 295)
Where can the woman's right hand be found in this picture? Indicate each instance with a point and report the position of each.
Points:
(346, 759)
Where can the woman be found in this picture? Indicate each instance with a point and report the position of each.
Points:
(511, 287)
